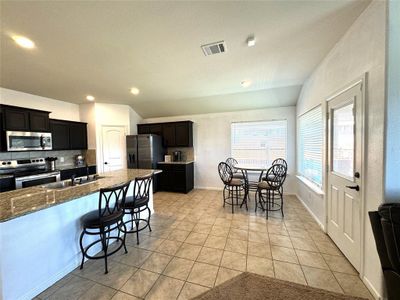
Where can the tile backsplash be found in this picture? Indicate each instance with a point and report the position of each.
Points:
(68, 155)
(187, 152)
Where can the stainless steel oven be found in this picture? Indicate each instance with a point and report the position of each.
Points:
(37, 179)
(28, 141)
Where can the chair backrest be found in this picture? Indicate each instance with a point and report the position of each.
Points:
(111, 200)
(276, 175)
(225, 172)
(141, 188)
(280, 161)
(232, 163)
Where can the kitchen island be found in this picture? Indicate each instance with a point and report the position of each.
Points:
(39, 231)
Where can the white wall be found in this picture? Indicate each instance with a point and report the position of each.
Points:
(361, 49)
(212, 140)
(59, 109)
(134, 119)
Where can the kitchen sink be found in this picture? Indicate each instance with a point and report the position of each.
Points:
(68, 183)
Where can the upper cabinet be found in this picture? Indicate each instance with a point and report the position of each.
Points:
(22, 119)
(174, 134)
(68, 135)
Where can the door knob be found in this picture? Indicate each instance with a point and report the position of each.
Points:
(106, 163)
(356, 187)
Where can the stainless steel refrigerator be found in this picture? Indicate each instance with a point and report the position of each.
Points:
(144, 151)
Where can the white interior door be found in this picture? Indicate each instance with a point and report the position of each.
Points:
(114, 148)
(344, 190)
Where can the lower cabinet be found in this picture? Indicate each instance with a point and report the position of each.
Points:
(176, 177)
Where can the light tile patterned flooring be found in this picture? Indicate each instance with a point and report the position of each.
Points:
(197, 244)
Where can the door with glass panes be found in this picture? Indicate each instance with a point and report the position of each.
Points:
(344, 171)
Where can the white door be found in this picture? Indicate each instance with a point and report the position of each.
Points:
(344, 171)
(114, 148)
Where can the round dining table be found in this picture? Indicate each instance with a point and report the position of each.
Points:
(250, 185)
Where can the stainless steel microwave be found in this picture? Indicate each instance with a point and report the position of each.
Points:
(28, 141)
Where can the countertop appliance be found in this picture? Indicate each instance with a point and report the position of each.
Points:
(144, 151)
(28, 141)
(27, 172)
(177, 155)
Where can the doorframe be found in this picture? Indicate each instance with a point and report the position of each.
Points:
(101, 157)
(363, 79)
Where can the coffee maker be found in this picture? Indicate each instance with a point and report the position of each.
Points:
(177, 155)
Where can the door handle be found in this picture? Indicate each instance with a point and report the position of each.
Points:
(356, 187)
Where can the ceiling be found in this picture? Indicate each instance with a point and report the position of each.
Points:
(104, 48)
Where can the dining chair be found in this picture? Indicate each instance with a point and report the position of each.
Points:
(233, 185)
(267, 188)
(280, 161)
(232, 163)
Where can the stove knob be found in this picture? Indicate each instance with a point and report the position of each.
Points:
(3, 163)
(9, 163)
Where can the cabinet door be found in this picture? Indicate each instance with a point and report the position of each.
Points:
(184, 134)
(156, 129)
(39, 121)
(143, 129)
(179, 181)
(60, 135)
(169, 135)
(16, 119)
(78, 136)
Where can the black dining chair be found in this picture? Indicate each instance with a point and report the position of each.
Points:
(280, 161)
(105, 222)
(232, 163)
(269, 188)
(137, 204)
(231, 185)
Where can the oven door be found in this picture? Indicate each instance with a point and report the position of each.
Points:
(28, 141)
(27, 181)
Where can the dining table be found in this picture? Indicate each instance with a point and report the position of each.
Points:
(250, 185)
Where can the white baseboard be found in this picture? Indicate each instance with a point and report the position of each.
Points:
(372, 289)
(311, 213)
(211, 188)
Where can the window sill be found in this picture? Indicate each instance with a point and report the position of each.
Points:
(315, 188)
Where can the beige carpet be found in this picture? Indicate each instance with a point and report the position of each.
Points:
(253, 286)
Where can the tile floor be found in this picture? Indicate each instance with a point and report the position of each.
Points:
(197, 244)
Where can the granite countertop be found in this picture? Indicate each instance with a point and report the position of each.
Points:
(24, 201)
(186, 162)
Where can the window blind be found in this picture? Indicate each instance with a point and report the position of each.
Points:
(258, 143)
(310, 143)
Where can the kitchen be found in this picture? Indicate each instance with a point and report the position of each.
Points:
(198, 119)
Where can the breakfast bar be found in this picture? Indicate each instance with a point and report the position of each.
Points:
(40, 227)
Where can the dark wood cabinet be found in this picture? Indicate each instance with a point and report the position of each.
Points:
(68, 135)
(78, 135)
(16, 119)
(176, 177)
(174, 134)
(169, 134)
(23, 119)
(60, 134)
(39, 121)
(77, 172)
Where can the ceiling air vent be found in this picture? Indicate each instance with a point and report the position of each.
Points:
(214, 48)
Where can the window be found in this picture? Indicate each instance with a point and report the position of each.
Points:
(258, 143)
(310, 145)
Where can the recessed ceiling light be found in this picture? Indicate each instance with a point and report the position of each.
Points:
(23, 42)
(135, 91)
(251, 41)
(89, 98)
(245, 83)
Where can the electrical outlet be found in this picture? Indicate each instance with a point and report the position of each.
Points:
(61, 159)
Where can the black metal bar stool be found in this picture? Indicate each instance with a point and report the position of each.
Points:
(269, 188)
(138, 203)
(232, 163)
(104, 221)
(234, 186)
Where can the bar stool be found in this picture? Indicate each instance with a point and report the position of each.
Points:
(271, 184)
(138, 203)
(234, 186)
(104, 221)
(232, 163)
